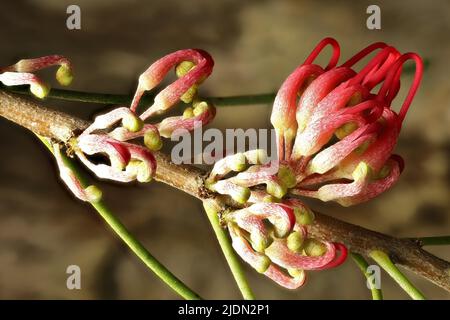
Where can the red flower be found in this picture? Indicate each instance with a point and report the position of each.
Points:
(335, 132)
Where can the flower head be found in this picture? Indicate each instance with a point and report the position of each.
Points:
(110, 134)
(335, 132)
(273, 239)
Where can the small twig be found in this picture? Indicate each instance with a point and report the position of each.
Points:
(386, 263)
(432, 241)
(363, 265)
(230, 256)
(403, 252)
(107, 98)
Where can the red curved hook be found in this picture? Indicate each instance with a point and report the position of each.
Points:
(318, 49)
(339, 260)
(390, 85)
(363, 53)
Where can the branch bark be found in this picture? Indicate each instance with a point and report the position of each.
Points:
(404, 252)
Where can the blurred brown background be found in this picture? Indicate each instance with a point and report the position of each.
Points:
(255, 45)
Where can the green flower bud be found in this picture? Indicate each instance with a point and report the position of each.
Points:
(276, 190)
(263, 264)
(314, 248)
(287, 177)
(188, 113)
(144, 173)
(241, 195)
(303, 215)
(295, 241)
(133, 167)
(152, 140)
(362, 171)
(295, 273)
(200, 108)
(259, 242)
(40, 90)
(132, 123)
(93, 193)
(64, 75)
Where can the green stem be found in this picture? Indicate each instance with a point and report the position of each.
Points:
(106, 98)
(386, 263)
(433, 241)
(230, 255)
(150, 261)
(363, 265)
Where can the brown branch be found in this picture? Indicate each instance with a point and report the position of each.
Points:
(404, 252)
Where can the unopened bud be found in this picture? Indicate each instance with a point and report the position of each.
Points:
(275, 189)
(241, 194)
(238, 193)
(64, 75)
(259, 242)
(188, 113)
(200, 108)
(296, 273)
(295, 241)
(263, 264)
(303, 215)
(40, 90)
(93, 194)
(314, 248)
(152, 140)
(132, 123)
(287, 177)
(144, 173)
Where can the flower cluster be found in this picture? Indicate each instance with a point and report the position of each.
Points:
(335, 138)
(335, 132)
(269, 233)
(109, 133)
(272, 237)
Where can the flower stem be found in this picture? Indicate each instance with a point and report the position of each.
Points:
(433, 241)
(149, 260)
(106, 98)
(363, 265)
(230, 256)
(386, 263)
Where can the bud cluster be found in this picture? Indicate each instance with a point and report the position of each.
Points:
(109, 133)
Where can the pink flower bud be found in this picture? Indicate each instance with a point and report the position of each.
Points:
(270, 237)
